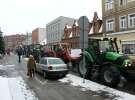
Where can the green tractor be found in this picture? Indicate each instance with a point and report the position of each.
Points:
(104, 62)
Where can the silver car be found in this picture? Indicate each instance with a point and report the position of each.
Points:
(51, 66)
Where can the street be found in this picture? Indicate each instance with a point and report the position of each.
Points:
(46, 89)
(52, 89)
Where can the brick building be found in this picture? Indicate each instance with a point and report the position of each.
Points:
(38, 35)
(12, 41)
(119, 21)
(72, 35)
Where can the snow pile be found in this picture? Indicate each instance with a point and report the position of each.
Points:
(15, 89)
(89, 85)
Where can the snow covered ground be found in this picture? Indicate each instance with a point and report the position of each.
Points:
(95, 87)
(15, 89)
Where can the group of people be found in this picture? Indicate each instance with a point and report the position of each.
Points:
(31, 64)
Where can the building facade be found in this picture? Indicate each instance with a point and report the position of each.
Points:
(72, 33)
(55, 29)
(28, 39)
(119, 21)
(38, 35)
(12, 41)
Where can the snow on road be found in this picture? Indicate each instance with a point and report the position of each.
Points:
(4, 67)
(89, 85)
(15, 89)
(4, 89)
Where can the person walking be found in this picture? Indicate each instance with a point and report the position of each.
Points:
(31, 66)
(19, 52)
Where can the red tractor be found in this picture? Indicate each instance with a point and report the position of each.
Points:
(63, 51)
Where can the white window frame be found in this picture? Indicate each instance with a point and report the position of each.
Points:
(133, 21)
(109, 5)
(122, 21)
(110, 26)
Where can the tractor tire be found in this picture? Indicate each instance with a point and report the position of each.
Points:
(110, 76)
(84, 71)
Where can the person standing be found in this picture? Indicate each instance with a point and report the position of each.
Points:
(31, 66)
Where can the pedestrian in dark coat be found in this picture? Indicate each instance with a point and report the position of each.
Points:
(19, 52)
(31, 66)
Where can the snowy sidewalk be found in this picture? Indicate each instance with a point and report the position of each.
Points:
(15, 89)
(98, 88)
(4, 89)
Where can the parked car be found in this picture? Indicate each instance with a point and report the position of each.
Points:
(52, 67)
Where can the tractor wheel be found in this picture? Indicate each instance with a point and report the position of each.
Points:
(110, 76)
(84, 71)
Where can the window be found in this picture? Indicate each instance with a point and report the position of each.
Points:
(128, 47)
(122, 22)
(131, 20)
(55, 61)
(122, 2)
(110, 25)
(43, 61)
(109, 4)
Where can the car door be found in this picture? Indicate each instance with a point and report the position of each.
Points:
(44, 64)
(40, 64)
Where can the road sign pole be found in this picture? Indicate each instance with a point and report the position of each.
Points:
(84, 29)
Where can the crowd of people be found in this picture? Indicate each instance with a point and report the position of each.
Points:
(34, 53)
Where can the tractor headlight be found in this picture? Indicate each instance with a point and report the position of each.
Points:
(125, 65)
(129, 64)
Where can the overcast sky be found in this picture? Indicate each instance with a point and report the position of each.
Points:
(21, 16)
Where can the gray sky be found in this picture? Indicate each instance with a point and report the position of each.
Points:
(21, 16)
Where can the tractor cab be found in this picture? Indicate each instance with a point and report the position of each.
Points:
(108, 45)
(99, 47)
(102, 45)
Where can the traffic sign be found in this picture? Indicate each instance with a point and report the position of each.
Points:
(84, 30)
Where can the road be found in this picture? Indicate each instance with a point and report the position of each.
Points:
(46, 89)
(52, 89)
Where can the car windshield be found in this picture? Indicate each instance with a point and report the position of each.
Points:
(55, 61)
